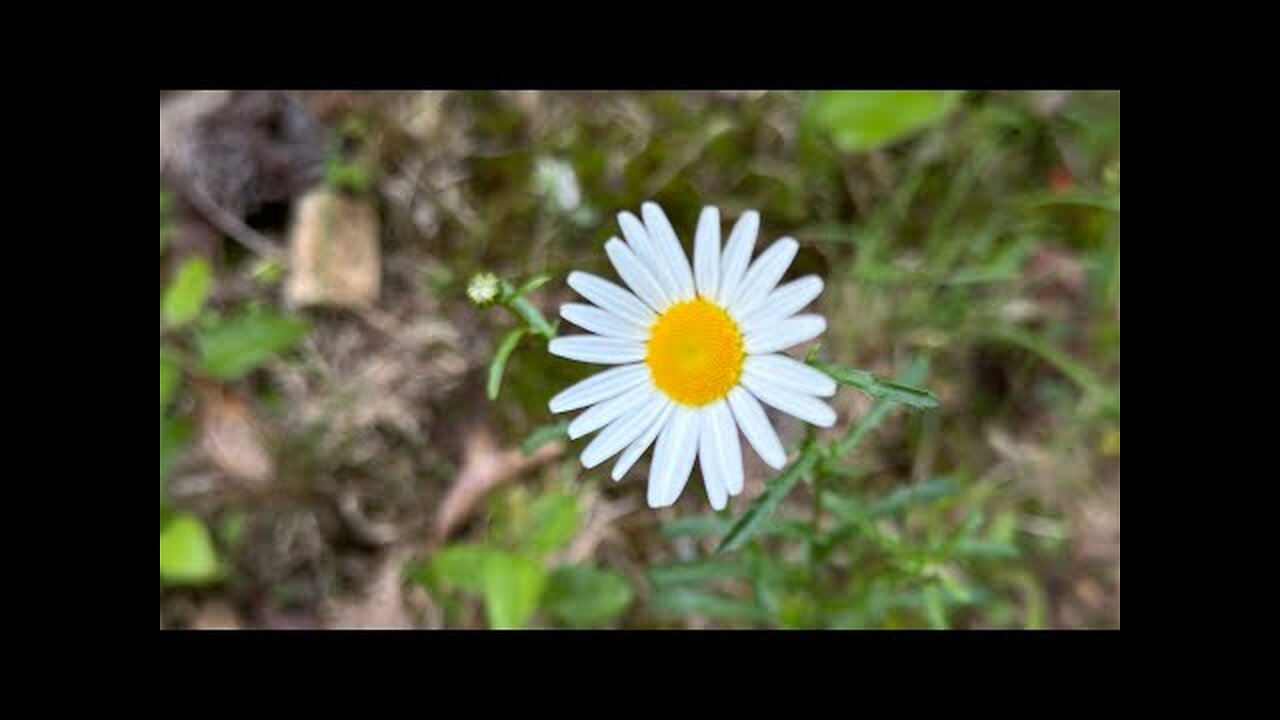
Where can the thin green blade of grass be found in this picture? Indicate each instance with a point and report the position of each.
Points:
(499, 363)
(694, 572)
(681, 601)
(1090, 383)
(753, 519)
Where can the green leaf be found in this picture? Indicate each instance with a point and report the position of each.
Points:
(877, 388)
(499, 363)
(173, 435)
(683, 601)
(186, 295)
(513, 585)
(170, 377)
(934, 609)
(533, 284)
(695, 526)
(864, 120)
(914, 372)
(918, 494)
(553, 521)
(764, 505)
(543, 435)
(695, 572)
(584, 596)
(461, 566)
(232, 347)
(186, 552)
(532, 317)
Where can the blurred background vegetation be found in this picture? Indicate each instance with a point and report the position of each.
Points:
(330, 455)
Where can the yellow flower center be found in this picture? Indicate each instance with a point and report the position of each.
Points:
(695, 352)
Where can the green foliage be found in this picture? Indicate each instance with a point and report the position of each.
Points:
(554, 519)
(752, 520)
(499, 363)
(512, 573)
(877, 388)
(486, 289)
(864, 120)
(233, 346)
(170, 377)
(543, 435)
(513, 584)
(347, 176)
(186, 296)
(187, 556)
(174, 433)
(585, 596)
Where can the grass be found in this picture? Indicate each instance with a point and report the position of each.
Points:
(956, 243)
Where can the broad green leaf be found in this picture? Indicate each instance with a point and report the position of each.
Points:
(863, 120)
(499, 363)
(543, 435)
(461, 566)
(553, 520)
(232, 347)
(694, 572)
(186, 295)
(585, 596)
(186, 552)
(878, 388)
(513, 585)
(764, 505)
(170, 377)
(683, 601)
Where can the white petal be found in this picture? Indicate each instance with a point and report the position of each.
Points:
(636, 275)
(731, 448)
(673, 457)
(596, 349)
(669, 249)
(708, 461)
(782, 303)
(642, 443)
(623, 431)
(601, 386)
(608, 296)
(785, 333)
(593, 319)
(806, 407)
(647, 253)
(706, 253)
(737, 254)
(601, 414)
(789, 373)
(756, 427)
(763, 277)
(720, 454)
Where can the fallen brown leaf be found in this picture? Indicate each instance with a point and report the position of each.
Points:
(231, 436)
(485, 467)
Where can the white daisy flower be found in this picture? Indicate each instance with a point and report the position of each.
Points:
(696, 351)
